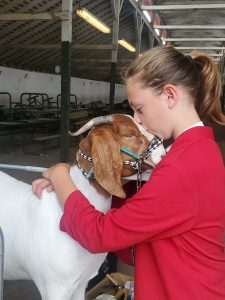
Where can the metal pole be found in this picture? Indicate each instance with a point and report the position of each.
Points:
(147, 23)
(1, 263)
(138, 28)
(151, 39)
(23, 168)
(112, 86)
(116, 7)
(211, 6)
(66, 39)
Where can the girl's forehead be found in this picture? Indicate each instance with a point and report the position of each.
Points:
(133, 85)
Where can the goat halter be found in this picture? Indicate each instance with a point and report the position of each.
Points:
(140, 159)
(136, 165)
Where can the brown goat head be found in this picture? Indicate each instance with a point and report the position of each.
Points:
(103, 145)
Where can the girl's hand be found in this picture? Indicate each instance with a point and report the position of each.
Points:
(58, 168)
(56, 178)
(39, 185)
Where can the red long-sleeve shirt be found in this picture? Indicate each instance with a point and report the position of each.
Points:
(176, 220)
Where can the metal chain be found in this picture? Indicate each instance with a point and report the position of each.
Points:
(139, 175)
(138, 186)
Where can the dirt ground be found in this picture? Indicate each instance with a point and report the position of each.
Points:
(12, 153)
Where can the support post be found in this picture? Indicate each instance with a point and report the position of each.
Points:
(116, 7)
(1, 263)
(151, 40)
(66, 38)
(138, 28)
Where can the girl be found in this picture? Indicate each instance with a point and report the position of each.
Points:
(177, 219)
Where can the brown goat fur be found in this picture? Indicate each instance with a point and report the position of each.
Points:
(103, 145)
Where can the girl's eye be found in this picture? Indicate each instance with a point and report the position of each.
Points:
(139, 110)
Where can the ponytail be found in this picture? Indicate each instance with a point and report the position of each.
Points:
(207, 102)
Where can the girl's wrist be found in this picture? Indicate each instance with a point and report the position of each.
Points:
(59, 172)
(62, 182)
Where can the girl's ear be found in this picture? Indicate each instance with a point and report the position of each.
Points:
(171, 92)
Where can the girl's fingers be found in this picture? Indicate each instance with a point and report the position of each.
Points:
(39, 185)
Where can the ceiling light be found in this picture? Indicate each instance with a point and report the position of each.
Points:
(91, 19)
(126, 45)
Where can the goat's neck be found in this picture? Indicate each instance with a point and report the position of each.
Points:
(96, 195)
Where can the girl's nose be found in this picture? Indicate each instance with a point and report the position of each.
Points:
(136, 118)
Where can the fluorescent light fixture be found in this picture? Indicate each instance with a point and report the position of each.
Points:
(91, 19)
(157, 31)
(147, 15)
(126, 45)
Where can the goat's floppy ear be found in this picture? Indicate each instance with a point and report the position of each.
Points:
(108, 163)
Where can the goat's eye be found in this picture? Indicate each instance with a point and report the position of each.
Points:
(129, 135)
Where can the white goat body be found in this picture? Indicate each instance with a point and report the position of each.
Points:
(36, 249)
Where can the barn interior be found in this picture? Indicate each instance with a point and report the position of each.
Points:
(58, 71)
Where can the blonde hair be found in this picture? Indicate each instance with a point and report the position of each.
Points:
(197, 73)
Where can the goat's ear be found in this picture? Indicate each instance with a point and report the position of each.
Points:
(108, 163)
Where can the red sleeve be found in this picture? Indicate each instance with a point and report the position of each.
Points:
(166, 205)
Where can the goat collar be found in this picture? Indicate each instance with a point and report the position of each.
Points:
(136, 165)
(90, 174)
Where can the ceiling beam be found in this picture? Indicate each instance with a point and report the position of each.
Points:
(93, 67)
(194, 39)
(34, 16)
(200, 48)
(56, 46)
(92, 47)
(214, 56)
(210, 54)
(93, 60)
(189, 27)
(183, 6)
(149, 25)
(32, 46)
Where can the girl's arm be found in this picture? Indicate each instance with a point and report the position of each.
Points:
(56, 178)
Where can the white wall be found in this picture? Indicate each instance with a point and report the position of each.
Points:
(15, 82)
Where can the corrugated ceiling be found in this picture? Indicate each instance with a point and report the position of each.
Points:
(35, 45)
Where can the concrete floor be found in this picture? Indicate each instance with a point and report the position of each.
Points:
(20, 290)
(26, 290)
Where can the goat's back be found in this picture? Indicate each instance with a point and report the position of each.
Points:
(35, 248)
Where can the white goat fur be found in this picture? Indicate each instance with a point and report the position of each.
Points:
(36, 249)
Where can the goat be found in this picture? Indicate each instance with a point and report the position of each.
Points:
(35, 248)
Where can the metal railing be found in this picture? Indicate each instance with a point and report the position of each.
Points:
(1, 263)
